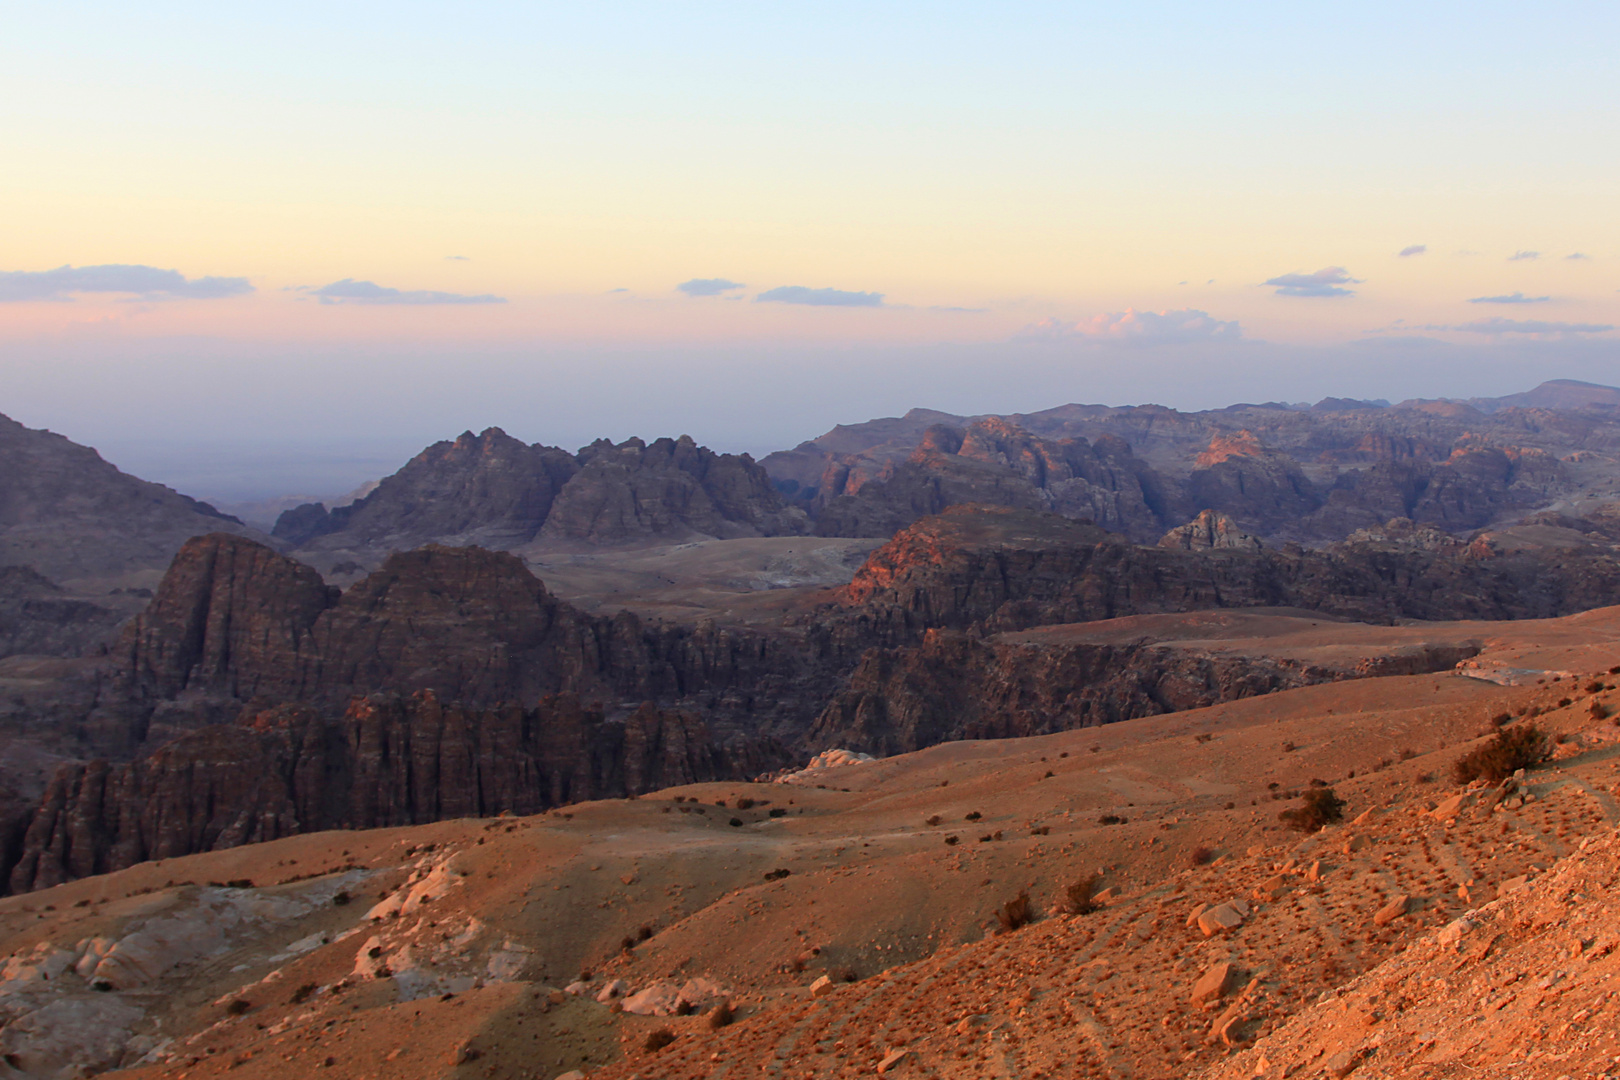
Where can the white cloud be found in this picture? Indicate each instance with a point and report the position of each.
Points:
(1414, 249)
(1524, 256)
(708, 286)
(1328, 281)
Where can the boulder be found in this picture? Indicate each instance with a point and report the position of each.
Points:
(1213, 983)
(1219, 919)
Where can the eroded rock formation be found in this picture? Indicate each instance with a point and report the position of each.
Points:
(385, 760)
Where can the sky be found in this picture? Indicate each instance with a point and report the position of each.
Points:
(262, 249)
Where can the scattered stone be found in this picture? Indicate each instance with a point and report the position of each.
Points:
(892, 1060)
(822, 987)
(1272, 887)
(1451, 807)
(1392, 910)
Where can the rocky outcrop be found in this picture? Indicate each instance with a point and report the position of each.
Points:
(70, 515)
(990, 569)
(385, 760)
(488, 488)
(496, 491)
(1209, 531)
(995, 462)
(235, 621)
(1262, 488)
(957, 686)
(671, 488)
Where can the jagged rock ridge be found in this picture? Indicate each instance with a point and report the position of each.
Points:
(496, 491)
(1281, 472)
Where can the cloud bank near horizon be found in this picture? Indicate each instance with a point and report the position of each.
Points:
(350, 291)
(1130, 327)
(1510, 298)
(800, 294)
(1499, 325)
(144, 282)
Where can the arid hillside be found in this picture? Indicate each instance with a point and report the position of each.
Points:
(868, 915)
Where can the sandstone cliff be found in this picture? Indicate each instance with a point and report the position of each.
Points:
(235, 621)
(993, 569)
(385, 760)
(954, 685)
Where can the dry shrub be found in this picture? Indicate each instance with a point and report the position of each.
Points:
(302, 994)
(777, 874)
(1510, 751)
(238, 1006)
(657, 1040)
(1111, 819)
(1015, 913)
(1322, 807)
(645, 932)
(745, 803)
(932, 819)
(1077, 898)
(722, 1015)
(1200, 855)
(974, 816)
(950, 841)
